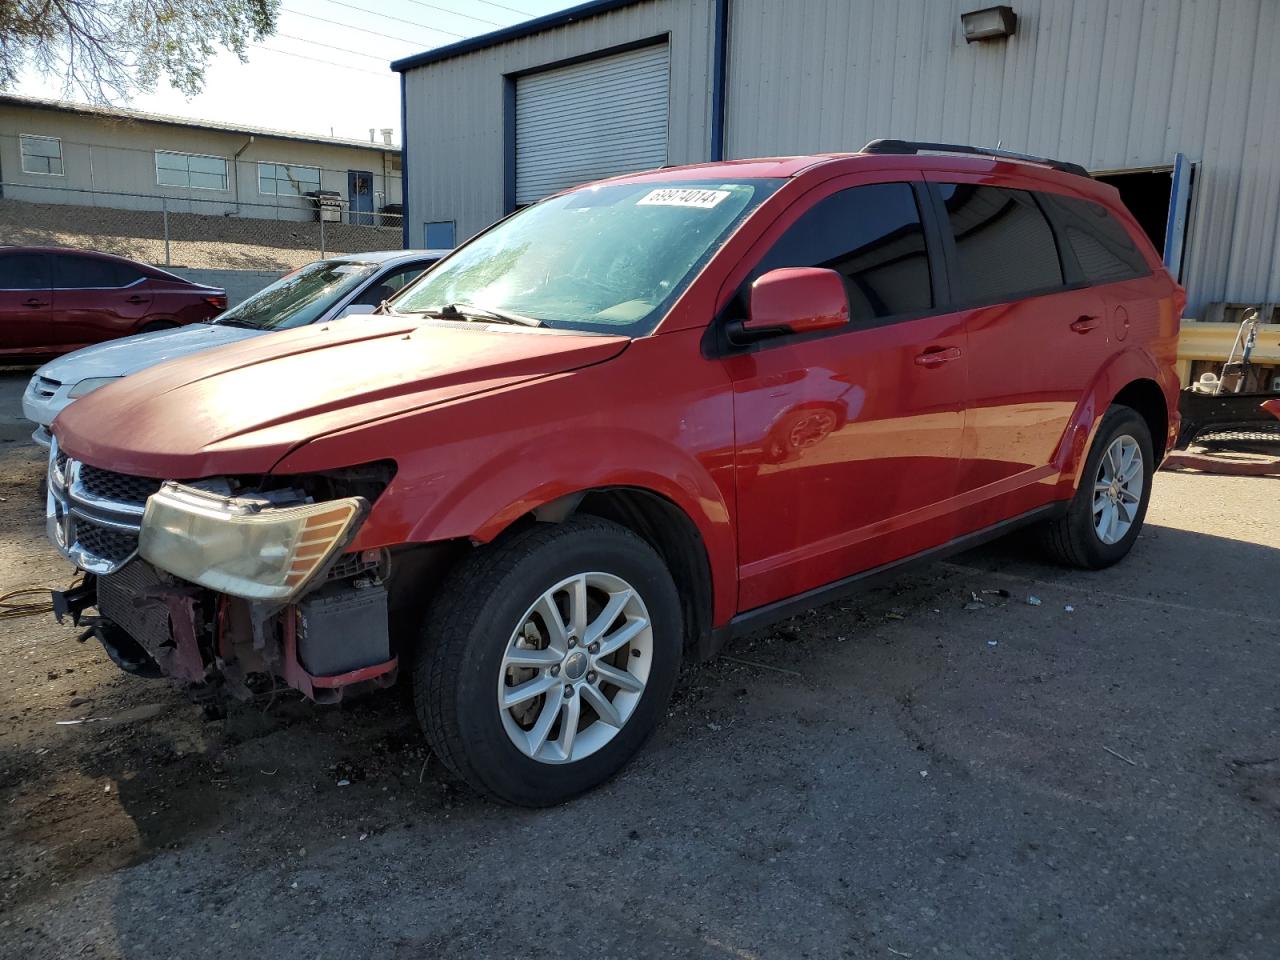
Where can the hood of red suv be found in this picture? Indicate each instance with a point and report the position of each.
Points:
(240, 408)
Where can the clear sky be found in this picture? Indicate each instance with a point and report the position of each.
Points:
(326, 69)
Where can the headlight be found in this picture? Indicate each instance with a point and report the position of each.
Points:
(90, 385)
(244, 546)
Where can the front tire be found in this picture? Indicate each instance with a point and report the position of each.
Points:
(548, 660)
(1105, 516)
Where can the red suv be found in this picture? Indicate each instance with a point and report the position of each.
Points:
(621, 426)
(54, 300)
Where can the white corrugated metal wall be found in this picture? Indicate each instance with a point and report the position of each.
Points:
(454, 138)
(1110, 84)
(594, 119)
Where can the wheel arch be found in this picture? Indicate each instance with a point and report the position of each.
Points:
(1146, 398)
(1133, 379)
(664, 525)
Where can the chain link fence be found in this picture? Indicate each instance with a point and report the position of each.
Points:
(193, 215)
(148, 228)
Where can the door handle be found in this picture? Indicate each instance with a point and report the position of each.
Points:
(35, 302)
(137, 299)
(1084, 324)
(937, 356)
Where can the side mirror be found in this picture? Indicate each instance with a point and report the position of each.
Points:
(794, 300)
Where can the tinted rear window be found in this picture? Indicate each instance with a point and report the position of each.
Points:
(1103, 247)
(24, 271)
(1004, 245)
(873, 238)
(71, 272)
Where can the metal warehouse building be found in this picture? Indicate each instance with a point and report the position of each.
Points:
(1176, 102)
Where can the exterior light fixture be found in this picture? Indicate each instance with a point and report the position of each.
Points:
(989, 24)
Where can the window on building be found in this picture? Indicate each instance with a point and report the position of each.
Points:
(71, 272)
(438, 235)
(287, 179)
(191, 170)
(1004, 245)
(41, 154)
(873, 238)
(24, 271)
(1103, 247)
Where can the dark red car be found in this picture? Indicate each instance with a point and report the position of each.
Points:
(623, 425)
(54, 300)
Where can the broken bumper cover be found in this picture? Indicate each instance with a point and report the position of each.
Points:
(155, 625)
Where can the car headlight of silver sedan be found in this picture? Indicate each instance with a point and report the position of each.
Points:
(89, 385)
(245, 546)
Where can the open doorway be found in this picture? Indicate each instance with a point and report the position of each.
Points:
(1146, 193)
(1159, 198)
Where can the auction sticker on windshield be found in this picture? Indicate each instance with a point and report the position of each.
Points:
(688, 197)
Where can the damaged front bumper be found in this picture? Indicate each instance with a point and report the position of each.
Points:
(153, 624)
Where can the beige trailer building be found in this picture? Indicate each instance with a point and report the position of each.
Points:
(57, 152)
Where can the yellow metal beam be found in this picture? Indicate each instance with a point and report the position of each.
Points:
(1212, 341)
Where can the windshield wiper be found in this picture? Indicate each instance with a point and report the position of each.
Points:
(468, 311)
(233, 322)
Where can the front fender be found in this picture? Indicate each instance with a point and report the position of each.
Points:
(1124, 368)
(657, 418)
(596, 459)
(607, 458)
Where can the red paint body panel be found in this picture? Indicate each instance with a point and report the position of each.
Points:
(800, 462)
(56, 319)
(801, 299)
(246, 406)
(657, 416)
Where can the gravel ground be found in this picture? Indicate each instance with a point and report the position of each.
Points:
(1094, 776)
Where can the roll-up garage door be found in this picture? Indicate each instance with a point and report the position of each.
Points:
(594, 119)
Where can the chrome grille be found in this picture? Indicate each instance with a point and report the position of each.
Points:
(114, 546)
(93, 515)
(117, 486)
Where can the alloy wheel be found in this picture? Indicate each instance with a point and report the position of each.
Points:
(1117, 489)
(575, 668)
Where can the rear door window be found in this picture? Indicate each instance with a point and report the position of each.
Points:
(389, 285)
(24, 271)
(871, 236)
(78, 273)
(1004, 246)
(1102, 246)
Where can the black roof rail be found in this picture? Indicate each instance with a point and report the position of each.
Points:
(919, 146)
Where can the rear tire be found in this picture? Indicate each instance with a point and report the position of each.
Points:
(155, 325)
(575, 605)
(1105, 516)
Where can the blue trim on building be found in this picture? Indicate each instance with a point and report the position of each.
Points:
(718, 80)
(513, 32)
(404, 168)
(508, 144)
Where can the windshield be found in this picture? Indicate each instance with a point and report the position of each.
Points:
(299, 298)
(611, 258)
